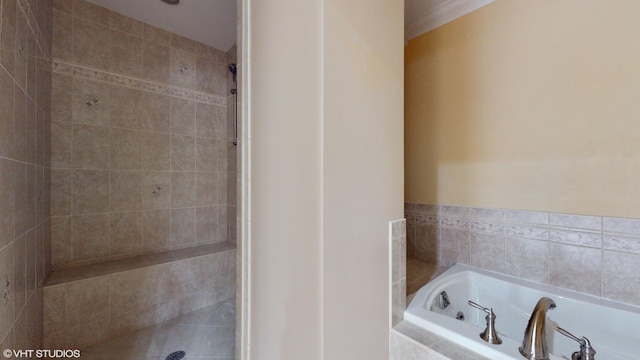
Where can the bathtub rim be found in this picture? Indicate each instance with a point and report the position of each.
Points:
(464, 335)
(562, 292)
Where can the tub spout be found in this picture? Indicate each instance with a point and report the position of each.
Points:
(534, 345)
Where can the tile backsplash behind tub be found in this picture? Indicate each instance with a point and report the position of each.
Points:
(591, 254)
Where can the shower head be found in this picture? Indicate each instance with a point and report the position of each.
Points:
(233, 69)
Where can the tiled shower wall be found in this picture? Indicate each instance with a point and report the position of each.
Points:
(232, 150)
(25, 94)
(591, 254)
(140, 138)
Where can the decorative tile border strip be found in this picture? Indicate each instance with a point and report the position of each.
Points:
(64, 68)
(619, 234)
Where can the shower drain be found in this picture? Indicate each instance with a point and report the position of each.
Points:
(176, 355)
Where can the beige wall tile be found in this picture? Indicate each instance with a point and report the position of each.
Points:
(223, 221)
(183, 116)
(206, 119)
(156, 229)
(126, 149)
(6, 115)
(126, 24)
(126, 54)
(25, 136)
(527, 259)
(183, 189)
(90, 147)
(156, 112)
(126, 233)
(182, 43)
(61, 185)
(6, 289)
(61, 145)
(91, 12)
(223, 156)
(575, 268)
(156, 151)
(130, 291)
(221, 195)
(21, 334)
(206, 224)
(454, 247)
(90, 191)
(87, 333)
(63, 5)
(207, 51)
(61, 87)
(90, 102)
(156, 62)
(183, 69)
(427, 248)
(619, 272)
(7, 205)
(220, 80)
(126, 190)
(206, 74)
(20, 51)
(7, 36)
(40, 270)
(126, 109)
(91, 43)
(20, 122)
(90, 237)
(206, 188)
(86, 300)
(54, 308)
(30, 132)
(156, 190)
(122, 324)
(30, 197)
(61, 240)
(30, 262)
(20, 199)
(206, 154)
(487, 251)
(154, 34)
(183, 153)
(183, 227)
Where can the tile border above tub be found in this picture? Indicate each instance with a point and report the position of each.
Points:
(573, 251)
(62, 67)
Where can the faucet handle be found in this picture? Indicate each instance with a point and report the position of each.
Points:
(478, 306)
(489, 334)
(586, 351)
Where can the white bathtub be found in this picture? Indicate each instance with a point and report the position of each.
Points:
(612, 328)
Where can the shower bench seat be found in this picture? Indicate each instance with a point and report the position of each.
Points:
(90, 304)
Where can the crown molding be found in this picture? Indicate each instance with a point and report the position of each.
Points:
(440, 15)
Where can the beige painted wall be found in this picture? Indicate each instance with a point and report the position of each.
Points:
(324, 83)
(285, 100)
(362, 171)
(527, 105)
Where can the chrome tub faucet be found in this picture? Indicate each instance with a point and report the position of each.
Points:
(534, 345)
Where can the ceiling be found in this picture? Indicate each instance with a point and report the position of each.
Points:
(421, 16)
(213, 22)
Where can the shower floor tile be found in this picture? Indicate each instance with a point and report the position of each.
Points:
(208, 333)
